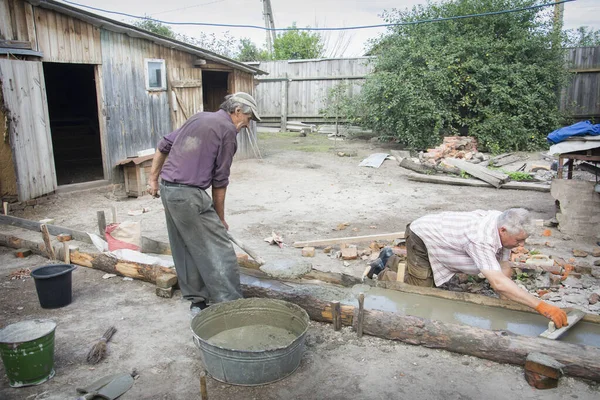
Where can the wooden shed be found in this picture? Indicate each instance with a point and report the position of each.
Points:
(81, 92)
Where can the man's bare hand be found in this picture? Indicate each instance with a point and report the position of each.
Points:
(153, 189)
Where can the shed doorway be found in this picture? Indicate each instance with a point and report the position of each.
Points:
(214, 89)
(73, 111)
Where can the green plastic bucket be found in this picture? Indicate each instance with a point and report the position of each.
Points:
(27, 350)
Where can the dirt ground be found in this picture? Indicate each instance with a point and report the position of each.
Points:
(301, 190)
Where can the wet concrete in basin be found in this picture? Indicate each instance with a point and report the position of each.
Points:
(458, 312)
(434, 308)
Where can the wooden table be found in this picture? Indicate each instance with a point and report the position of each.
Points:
(584, 155)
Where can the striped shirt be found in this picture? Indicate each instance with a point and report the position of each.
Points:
(461, 242)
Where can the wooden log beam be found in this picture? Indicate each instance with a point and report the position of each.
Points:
(500, 346)
(353, 239)
(112, 265)
(416, 167)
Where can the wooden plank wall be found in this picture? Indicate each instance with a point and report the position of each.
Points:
(17, 21)
(581, 98)
(247, 139)
(24, 94)
(138, 118)
(243, 82)
(8, 179)
(185, 85)
(305, 97)
(65, 39)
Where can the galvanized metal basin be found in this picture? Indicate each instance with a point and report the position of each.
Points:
(251, 341)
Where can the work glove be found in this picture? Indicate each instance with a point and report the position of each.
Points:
(558, 316)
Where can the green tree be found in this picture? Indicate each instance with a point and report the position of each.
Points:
(495, 77)
(154, 26)
(582, 37)
(223, 44)
(297, 45)
(248, 51)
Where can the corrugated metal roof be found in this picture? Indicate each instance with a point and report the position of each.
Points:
(121, 27)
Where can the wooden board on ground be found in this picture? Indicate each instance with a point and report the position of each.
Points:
(448, 180)
(353, 239)
(494, 178)
(573, 316)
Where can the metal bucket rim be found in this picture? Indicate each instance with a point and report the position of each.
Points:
(287, 303)
(50, 330)
(70, 268)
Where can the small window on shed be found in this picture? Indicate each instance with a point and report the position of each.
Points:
(156, 78)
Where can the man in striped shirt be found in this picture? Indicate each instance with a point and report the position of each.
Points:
(441, 245)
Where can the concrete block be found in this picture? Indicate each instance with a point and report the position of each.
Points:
(579, 206)
(166, 281)
(349, 253)
(308, 252)
(166, 293)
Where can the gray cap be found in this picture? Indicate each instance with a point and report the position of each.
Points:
(248, 100)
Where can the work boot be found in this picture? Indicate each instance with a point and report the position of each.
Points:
(195, 308)
(378, 264)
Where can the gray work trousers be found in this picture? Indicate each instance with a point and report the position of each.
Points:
(204, 258)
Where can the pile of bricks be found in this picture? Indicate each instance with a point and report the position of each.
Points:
(464, 147)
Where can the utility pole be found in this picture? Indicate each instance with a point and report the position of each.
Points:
(559, 11)
(269, 24)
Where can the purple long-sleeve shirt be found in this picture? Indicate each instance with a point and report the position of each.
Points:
(200, 151)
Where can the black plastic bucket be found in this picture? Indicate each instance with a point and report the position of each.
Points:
(53, 285)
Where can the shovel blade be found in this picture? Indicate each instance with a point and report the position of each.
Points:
(116, 387)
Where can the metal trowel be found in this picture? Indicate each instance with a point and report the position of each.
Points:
(573, 316)
(108, 388)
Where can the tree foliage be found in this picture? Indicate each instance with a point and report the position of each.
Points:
(582, 37)
(495, 77)
(248, 51)
(154, 26)
(296, 45)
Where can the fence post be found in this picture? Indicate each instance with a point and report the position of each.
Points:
(284, 103)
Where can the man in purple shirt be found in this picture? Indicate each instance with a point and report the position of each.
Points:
(199, 154)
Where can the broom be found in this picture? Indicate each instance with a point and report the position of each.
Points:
(98, 352)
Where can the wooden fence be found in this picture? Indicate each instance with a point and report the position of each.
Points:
(581, 99)
(296, 90)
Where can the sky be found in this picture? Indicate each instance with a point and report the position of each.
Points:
(313, 13)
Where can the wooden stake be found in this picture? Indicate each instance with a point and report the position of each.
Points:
(401, 271)
(47, 242)
(67, 252)
(5, 207)
(337, 315)
(113, 210)
(361, 314)
(101, 224)
(203, 390)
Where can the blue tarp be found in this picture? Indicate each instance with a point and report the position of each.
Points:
(583, 128)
